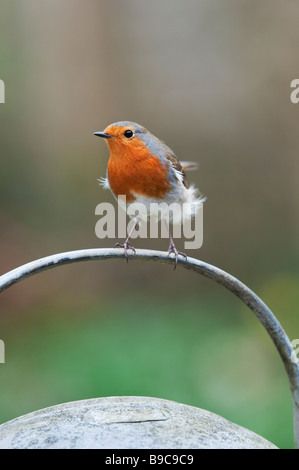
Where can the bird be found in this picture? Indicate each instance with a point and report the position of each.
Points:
(144, 169)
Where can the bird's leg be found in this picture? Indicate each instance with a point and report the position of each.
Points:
(172, 248)
(126, 244)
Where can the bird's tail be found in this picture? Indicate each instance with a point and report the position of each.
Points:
(189, 166)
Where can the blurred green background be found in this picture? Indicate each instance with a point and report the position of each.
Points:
(212, 79)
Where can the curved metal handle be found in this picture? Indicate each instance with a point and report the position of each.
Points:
(258, 307)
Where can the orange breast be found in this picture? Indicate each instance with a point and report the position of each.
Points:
(136, 170)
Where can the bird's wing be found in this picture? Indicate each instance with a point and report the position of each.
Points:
(177, 167)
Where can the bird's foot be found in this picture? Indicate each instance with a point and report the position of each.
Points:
(126, 246)
(172, 249)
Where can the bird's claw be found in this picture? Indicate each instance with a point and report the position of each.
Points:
(172, 249)
(126, 246)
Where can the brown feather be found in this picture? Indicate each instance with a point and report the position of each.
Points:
(177, 165)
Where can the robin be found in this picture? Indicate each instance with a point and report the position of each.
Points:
(144, 169)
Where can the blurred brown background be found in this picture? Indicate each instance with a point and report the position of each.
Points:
(212, 79)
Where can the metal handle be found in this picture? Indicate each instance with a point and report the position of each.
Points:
(258, 307)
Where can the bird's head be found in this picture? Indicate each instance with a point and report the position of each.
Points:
(124, 134)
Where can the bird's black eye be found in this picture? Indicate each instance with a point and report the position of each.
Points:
(128, 134)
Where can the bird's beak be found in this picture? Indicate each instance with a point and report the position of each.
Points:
(103, 134)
